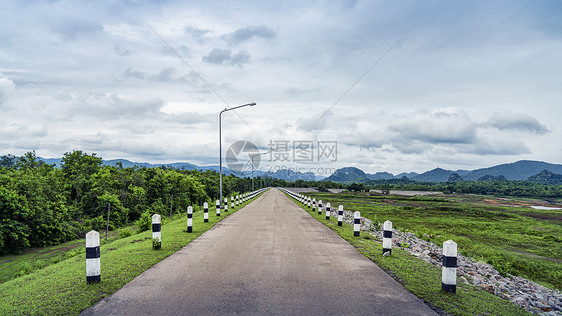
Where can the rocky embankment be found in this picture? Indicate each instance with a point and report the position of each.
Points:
(527, 294)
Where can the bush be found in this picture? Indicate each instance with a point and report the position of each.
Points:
(144, 222)
(125, 232)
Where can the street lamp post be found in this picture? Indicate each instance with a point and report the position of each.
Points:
(252, 161)
(220, 143)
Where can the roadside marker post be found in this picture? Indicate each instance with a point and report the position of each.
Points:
(156, 231)
(232, 202)
(225, 204)
(356, 223)
(340, 215)
(328, 210)
(218, 203)
(449, 271)
(387, 238)
(189, 219)
(93, 267)
(313, 204)
(237, 200)
(320, 207)
(206, 212)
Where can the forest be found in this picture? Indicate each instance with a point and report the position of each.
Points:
(44, 205)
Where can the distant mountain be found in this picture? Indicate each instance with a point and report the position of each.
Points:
(435, 175)
(290, 175)
(408, 175)
(284, 174)
(455, 177)
(346, 174)
(546, 177)
(380, 176)
(520, 170)
(51, 161)
(491, 178)
(129, 164)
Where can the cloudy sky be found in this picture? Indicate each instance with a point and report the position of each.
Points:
(399, 85)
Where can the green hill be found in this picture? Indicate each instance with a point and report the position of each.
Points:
(546, 177)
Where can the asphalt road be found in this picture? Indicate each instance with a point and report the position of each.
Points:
(271, 257)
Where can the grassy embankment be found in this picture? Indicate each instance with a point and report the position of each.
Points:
(61, 288)
(516, 240)
(420, 278)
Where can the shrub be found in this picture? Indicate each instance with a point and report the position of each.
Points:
(125, 232)
(145, 221)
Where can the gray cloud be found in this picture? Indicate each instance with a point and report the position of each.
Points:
(249, 32)
(225, 57)
(516, 122)
(167, 75)
(496, 147)
(130, 73)
(190, 118)
(113, 106)
(121, 51)
(199, 35)
(437, 127)
(315, 123)
(75, 29)
(296, 91)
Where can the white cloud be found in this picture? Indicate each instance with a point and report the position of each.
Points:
(470, 83)
(6, 90)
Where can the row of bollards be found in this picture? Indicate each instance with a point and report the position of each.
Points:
(93, 260)
(449, 269)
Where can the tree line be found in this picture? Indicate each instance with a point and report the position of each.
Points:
(41, 204)
(487, 187)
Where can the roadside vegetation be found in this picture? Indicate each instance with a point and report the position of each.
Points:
(42, 205)
(421, 278)
(61, 288)
(515, 240)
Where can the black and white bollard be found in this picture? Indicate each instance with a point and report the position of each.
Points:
(340, 215)
(313, 205)
(449, 272)
(328, 210)
(320, 207)
(156, 231)
(387, 238)
(237, 200)
(218, 203)
(308, 201)
(225, 205)
(189, 219)
(232, 202)
(356, 223)
(206, 212)
(93, 268)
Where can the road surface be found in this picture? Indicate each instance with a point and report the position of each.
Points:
(271, 257)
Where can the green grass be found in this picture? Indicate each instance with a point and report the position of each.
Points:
(421, 278)
(14, 266)
(61, 288)
(519, 241)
